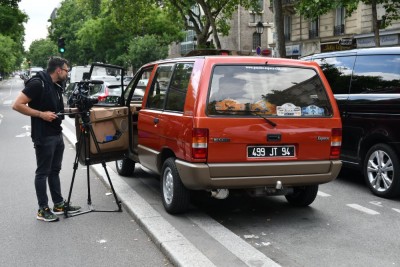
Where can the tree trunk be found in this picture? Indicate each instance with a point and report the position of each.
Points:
(375, 26)
(279, 29)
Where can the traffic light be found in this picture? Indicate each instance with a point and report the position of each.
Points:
(61, 45)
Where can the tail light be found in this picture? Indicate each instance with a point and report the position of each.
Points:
(200, 143)
(336, 143)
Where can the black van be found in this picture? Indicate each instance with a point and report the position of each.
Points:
(366, 85)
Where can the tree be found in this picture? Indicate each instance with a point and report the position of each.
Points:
(279, 29)
(8, 57)
(145, 49)
(40, 51)
(214, 20)
(312, 9)
(205, 17)
(11, 26)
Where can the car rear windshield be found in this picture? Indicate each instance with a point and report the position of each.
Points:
(267, 91)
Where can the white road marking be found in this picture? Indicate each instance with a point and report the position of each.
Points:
(26, 127)
(243, 250)
(397, 210)
(7, 102)
(363, 209)
(377, 203)
(24, 134)
(322, 194)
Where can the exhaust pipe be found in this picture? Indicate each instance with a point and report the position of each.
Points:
(220, 193)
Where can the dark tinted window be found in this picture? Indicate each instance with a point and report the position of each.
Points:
(159, 87)
(267, 90)
(376, 74)
(178, 87)
(338, 71)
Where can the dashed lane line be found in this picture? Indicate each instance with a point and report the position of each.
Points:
(363, 209)
(396, 210)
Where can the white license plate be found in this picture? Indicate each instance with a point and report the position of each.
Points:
(270, 151)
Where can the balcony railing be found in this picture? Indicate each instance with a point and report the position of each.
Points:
(338, 30)
(313, 34)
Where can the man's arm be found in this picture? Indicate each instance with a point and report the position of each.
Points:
(20, 105)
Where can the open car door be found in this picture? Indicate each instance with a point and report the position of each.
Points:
(101, 127)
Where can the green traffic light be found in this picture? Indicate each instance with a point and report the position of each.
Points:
(61, 49)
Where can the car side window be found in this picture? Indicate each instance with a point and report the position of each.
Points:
(139, 85)
(158, 89)
(376, 74)
(178, 87)
(338, 72)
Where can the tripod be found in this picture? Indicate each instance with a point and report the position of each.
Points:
(85, 134)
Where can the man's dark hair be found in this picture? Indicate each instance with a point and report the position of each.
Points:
(56, 62)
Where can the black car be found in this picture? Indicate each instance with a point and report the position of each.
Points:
(366, 85)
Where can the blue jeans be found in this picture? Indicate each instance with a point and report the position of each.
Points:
(49, 154)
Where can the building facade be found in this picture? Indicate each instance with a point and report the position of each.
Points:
(330, 32)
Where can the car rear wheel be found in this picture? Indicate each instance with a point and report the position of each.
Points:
(382, 171)
(303, 195)
(175, 196)
(125, 167)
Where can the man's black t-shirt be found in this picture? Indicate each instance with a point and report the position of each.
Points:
(45, 96)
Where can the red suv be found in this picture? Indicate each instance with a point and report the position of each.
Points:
(268, 126)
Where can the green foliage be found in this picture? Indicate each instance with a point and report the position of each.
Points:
(8, 57)
(145, 49)
(102, 30)
(40, 51)
(215, 18)
(11, 26)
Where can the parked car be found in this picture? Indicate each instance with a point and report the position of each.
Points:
(219, 123)
(102, 91)
(366, 85)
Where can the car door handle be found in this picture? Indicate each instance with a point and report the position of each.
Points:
(156, 120)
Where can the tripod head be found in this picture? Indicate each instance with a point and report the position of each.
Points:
(81, 99)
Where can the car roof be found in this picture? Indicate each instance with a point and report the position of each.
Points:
(360, 51)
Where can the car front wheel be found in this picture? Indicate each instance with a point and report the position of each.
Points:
(125, 167)
(175, 196)
(382, 171)
(303, 196)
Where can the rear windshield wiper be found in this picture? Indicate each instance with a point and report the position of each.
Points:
(251, 112)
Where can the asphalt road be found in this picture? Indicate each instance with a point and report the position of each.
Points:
(345, 226)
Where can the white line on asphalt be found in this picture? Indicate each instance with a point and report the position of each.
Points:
(322, 194)
(240, 248)
(397, 210)
(363, 209)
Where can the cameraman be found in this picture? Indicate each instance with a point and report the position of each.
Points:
(41, 99)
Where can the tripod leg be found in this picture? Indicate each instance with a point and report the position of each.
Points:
(87, 163)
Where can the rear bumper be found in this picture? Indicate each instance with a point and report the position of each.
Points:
(250, 175)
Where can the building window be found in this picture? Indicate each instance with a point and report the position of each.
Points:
(314, 29)
(339, 21)
(257, 15)
(256, 40)
(287, 24)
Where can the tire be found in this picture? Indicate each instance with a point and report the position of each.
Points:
(125, 167)
(382, 171)
(175, 196)
(303, 195)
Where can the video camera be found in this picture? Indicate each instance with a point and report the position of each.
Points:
(80, 97)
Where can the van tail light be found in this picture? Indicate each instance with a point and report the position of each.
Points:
(336, 143)
(200, 143)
